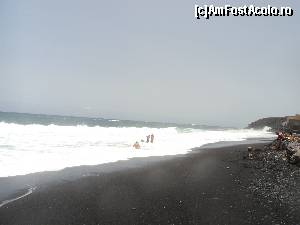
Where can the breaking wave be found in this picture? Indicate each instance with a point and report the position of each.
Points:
(33, 148)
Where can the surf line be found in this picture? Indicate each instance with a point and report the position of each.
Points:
(30, 191)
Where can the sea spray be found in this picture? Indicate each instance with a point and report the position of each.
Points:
(33, 148)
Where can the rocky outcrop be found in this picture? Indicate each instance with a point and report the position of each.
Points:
(275, 123)
(288, 144)
(276, 171)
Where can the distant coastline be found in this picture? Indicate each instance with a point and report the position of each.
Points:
(286, 123)
(274, 123)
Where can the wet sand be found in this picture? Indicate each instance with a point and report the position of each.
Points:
(207, 186)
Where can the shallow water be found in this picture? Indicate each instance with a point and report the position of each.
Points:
(33, 148)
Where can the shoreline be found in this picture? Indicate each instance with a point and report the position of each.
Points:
(12, 186)
(210, 185)
(29, 191)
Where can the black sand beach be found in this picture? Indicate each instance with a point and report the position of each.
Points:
(208, 186)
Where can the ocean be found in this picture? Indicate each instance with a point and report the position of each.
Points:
(32, 143)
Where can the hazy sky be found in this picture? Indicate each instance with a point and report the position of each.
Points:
(148, 60)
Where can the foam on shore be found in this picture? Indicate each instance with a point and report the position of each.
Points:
(33, 148)
(29, 191)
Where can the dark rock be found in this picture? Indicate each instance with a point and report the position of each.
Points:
(275, 123)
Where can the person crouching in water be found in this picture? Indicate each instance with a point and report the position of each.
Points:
(136, 145)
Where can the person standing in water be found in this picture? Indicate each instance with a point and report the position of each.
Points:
(148, 138)
(152, 138)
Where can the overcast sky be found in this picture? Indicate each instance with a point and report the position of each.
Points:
(148, 60)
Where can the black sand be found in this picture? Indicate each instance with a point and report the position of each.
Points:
(208, 186)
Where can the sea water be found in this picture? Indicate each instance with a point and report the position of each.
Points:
(34, 143)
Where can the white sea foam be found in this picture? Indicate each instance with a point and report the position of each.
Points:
(33, 148)
(29, 191)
